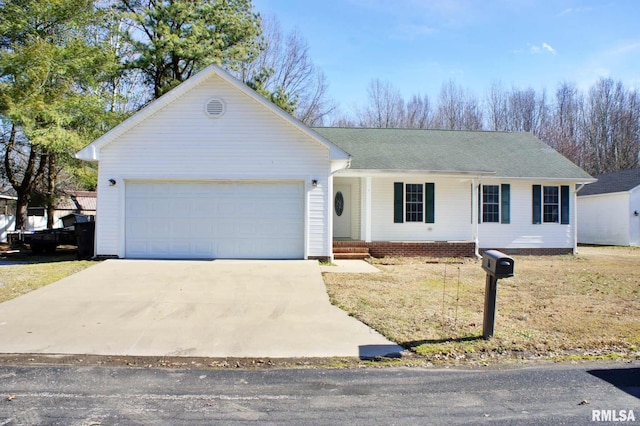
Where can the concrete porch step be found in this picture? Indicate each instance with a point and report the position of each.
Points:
(344, 251)
(351, 256)
(350, 249)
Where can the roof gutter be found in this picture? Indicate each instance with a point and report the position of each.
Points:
(391, 172)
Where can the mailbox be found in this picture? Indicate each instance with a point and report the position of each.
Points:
(497, 264)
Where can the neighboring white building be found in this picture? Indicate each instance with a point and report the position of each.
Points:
(610, 210)
(7, 215)
(213, 170)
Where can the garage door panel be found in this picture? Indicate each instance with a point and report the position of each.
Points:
(215, 220)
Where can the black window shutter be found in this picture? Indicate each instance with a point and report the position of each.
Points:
(430, 206)
(564, 205)
(537, 204)
(505, 203)
(398, 198)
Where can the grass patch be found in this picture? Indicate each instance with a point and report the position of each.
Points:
(586, 305)
(19, 279)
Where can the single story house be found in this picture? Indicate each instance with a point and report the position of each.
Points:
(610, 210)
(213, 170)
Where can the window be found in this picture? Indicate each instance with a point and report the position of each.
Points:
(494, 203)
(413, 202)
(35, 211)
(490, 203)
(551, 204)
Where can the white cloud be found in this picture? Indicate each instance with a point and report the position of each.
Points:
(566, 11)
(535, 49)
(548, 47)
(629, 48)
(572, 10)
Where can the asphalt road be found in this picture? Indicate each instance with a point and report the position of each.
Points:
(95, 395)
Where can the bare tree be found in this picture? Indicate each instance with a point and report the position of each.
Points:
(418, 113)
(497, 109)
(526, 111)
(284, 65)
(385, 107)
(458, 109)
(612, 127)
(563, 132)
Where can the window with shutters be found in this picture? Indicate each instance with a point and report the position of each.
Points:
(494, 203)
(413, 202)
(551, 204)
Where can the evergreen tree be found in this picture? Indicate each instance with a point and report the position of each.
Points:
(174, 39)
(50, 68)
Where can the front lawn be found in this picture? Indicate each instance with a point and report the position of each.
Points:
(585, 306)
(28, 273)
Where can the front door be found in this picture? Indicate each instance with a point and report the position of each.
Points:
(342, 211)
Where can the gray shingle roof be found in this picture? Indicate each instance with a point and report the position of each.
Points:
(621, 181)
(509, 155)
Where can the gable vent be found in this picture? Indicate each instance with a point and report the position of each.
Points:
(214, 108)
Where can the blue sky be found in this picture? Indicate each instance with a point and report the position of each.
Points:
(417, 45)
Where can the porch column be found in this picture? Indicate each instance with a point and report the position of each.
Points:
(365, 209)
(475, 225)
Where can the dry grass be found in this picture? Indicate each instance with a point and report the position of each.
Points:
(19, 279)
(587, 304)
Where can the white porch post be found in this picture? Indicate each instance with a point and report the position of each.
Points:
(574, 219)
(475, 226)
(365, 209)
(329, 198)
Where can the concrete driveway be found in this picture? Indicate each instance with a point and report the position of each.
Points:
(220, 308)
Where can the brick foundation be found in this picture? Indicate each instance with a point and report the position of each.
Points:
(413, 249)
(533, 251)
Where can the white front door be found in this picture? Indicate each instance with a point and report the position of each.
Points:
(342, 211)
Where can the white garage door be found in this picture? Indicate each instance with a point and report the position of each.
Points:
(205, 220)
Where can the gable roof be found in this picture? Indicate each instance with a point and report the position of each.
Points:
(621, 181)
(499, 154)
(91, 151)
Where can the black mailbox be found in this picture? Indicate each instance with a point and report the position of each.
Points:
(497, 264)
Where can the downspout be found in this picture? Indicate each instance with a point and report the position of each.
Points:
(575, 218)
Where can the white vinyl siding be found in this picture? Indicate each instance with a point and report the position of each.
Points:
(606, 219)
(520, 232)
(452, 213)
(453, 216)
(180, 143)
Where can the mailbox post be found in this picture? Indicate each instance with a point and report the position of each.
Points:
(497, 265)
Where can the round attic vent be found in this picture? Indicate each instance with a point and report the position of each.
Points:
(214, 108)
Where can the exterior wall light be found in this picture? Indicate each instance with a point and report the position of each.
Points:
(636, 213)
(314, 182)
(112, 182)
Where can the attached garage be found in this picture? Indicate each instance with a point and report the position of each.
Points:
(220, 219)
(213, 170)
